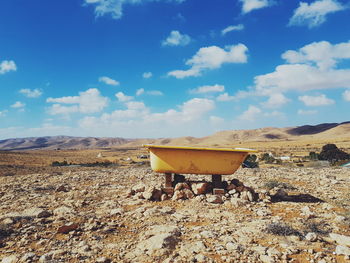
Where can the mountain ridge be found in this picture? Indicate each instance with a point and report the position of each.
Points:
(227, 137)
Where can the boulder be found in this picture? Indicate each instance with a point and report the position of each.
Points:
(340, 239)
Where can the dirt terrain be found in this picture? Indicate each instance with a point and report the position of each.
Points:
(107, 205)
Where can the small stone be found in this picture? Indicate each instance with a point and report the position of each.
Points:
(9, 259)
(179, 194)
(188, 193)
(201, 188)
(342, 250)
(103, 260)
(27, 257)
(67, 228)
(181, 186)
(340, 239)
(164, 197)
(214, 199)
(312, 237)
(138, 188)
(116, 211)
(61, 188)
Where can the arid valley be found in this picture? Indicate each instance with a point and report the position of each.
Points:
(98, 200)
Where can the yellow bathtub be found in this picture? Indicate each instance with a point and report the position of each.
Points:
(196, 160)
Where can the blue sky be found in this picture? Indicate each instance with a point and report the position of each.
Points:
(167, 68)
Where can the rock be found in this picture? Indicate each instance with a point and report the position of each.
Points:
(214, 199)
(188, 193)
(116, 211)
(267, 259)
(201, 188)
(46, 258)
(10, 259)
(179, 194)
(340, 239)
(307, 212)
(164, 197)
(342, 250)
(63, 211)
(138, 188)
(62, 188)
(27, 257)
(103, 260)
(152, 194)
(181, 186)
(237, 202)
(67, 228)
(311, 237)
(201, 258)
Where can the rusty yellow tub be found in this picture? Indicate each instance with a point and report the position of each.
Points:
(196, 160)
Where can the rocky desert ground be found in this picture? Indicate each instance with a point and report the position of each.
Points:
(107, 205)
(278, 214)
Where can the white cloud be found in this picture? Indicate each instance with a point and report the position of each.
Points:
(18, 105)
(122, 97)
(154, 93)
(232, 28)
(114, 8)
(321, 54)
(346, 95)
(275, 100)
(140, 92)
(7, 66)
(251, 114)
(58, 109)
(307, 112)
(3, 113)
(149, 92)
(274, 114)
(320, 100)
(225, 97)
(89, 101)
(108, 81)
(312, 67)
(208, 89)
(176, 39)
(212, 57)
(314, 14)
(35, 93)
(250, 5)
(147, 75)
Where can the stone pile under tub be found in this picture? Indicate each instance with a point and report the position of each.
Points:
(235, 192)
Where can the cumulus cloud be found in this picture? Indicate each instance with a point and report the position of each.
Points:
(251, 114)
(275, 100)
(35, 93)
(322, 54)
(320, 100)
(108, 81)
(250, 5)
(114, 8)
(7, 66)
(208, 89)
(122, 97)
(18, 105)
(176, 39)
(314, 14)
(346, 95)
(89, 101)
(212, 57)
(137, 116)
(147, 75)
(313, 67)
(232, 28)
(307, 112)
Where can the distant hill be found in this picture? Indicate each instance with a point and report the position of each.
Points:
(222, 138)
(60, 142)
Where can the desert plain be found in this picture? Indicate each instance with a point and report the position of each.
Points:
(105, 204)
